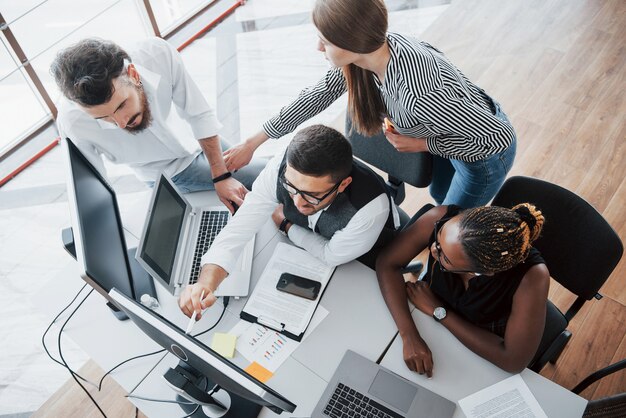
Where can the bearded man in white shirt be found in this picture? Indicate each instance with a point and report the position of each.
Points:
(319, 196)
(117, 105)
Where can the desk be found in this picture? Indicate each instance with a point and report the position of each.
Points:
(356, 312)
(358, 320)
(458, 372)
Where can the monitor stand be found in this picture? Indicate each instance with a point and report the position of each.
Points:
(142, 281)
(215, 402)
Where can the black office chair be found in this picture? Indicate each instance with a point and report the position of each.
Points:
(580, 249)
(613, 406)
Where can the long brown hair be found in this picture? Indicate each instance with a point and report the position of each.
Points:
(358, 26)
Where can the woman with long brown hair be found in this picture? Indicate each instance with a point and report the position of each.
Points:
(432, 106)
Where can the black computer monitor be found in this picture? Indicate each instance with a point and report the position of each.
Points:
(98, 235)
(199, 362)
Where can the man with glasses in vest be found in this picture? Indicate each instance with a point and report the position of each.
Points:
(323, 200)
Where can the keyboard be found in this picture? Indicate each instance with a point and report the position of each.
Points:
(346, 402)
(211, 224)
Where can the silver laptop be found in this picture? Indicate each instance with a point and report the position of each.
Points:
(175, 237)
(362, 388)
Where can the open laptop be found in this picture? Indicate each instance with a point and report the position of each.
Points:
(362, 388)
(175, 237)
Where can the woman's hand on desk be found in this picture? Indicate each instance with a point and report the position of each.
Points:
(417, 355)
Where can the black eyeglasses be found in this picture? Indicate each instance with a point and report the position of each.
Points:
(313, 200)
(440, 253)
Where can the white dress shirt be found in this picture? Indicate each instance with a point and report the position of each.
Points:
(161, 147)
(357, 238)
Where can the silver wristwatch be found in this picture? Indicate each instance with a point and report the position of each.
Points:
(440, 313)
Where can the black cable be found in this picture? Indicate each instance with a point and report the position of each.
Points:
(159, 400)
(43, 337)
(126, 361)
(72, 373)
(225, 302)
(206, 385)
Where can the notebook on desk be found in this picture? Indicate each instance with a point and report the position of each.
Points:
(175, 237)
(361, 388)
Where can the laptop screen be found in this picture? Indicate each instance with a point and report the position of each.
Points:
(163, 231)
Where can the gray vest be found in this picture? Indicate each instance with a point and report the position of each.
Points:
(365, 187)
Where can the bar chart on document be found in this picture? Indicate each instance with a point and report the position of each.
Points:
(263, 345)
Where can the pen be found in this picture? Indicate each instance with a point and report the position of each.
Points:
(192, 320)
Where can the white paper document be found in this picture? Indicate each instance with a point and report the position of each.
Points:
(280, 310)
(509, 398)
(268, 347)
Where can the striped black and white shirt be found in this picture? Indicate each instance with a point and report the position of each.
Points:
(425, 95)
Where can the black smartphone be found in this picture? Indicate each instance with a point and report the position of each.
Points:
(298, 286)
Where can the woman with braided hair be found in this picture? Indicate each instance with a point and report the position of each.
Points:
(485, 283)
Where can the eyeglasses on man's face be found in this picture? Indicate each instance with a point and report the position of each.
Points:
(440, 254)
(307, 196)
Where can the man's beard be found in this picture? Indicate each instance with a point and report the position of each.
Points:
(146, 114)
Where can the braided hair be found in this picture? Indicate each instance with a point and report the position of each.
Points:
(496, 239)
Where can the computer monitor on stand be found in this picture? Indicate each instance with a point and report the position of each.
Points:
(234, 392)
(97, 236)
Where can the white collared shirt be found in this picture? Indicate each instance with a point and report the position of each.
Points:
(163, 146)
(354, 240)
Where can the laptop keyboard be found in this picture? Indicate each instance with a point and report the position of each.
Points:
(346, 402)
(211, 224)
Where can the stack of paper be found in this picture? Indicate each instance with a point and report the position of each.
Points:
(508, 398)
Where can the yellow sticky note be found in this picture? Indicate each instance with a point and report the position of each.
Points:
(259, 372)
(224, 344)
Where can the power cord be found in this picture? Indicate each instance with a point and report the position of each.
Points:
(159, 400)
(99, 386)
(72, 373)
(43, 337)
(76, 376)
(225, 302)
(170, 401)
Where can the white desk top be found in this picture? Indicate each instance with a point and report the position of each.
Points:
(458, 372)
(293, 381)
(356, 313)
(358, 320)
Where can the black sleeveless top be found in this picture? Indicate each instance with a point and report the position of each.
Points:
(488, 299)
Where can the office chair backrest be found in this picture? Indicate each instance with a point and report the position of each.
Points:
(414, 168)
(612, 406)
(580, 248)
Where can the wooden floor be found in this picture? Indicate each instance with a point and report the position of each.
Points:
(558, 68)
(71, 401)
